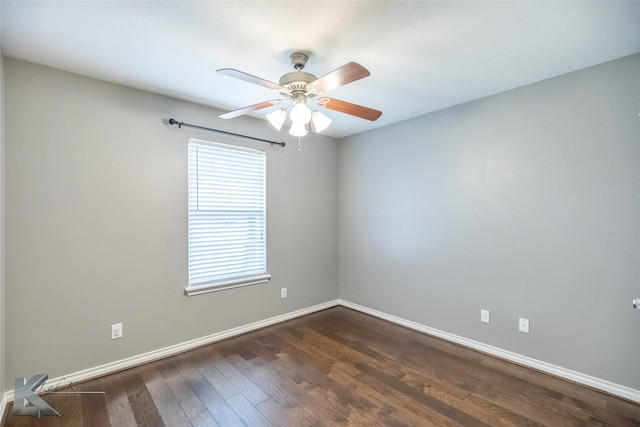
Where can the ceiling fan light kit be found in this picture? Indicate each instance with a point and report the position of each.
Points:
(277, 118)
(302, 88)
(300, 113)
(298, 130)
(320, 121)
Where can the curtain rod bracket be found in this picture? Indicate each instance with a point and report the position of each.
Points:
(180, 124)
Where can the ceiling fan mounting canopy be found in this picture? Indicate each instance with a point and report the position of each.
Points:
(298, 60)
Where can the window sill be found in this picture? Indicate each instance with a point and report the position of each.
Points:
(221, 286)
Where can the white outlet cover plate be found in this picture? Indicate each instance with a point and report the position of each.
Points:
(523, 325)
(484, 316)
(116, 331)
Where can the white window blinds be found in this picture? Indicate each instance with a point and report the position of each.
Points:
(227, 216)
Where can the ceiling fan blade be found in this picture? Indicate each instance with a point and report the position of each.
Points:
(250, 108)
(352, 109)
(232, 72)
(339, 77)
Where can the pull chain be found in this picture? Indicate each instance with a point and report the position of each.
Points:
(299, 145)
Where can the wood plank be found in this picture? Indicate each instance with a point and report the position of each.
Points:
(247, 412)
(244, 385)
(492, 414)
(142, 404)
(194, 409)
(222, 413)
(286, 388)
(277, 414)
(120, 411)
(168, 407)
(95, 412)
(223, 386)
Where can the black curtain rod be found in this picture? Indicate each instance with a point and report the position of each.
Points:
(180, 124)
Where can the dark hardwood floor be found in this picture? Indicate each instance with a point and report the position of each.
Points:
(335, 367)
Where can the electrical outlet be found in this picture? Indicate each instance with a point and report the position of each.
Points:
(484, 316)
(116, 331)
(523, 325)
(283, 293)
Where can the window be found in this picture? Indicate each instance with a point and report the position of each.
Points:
(227, 217)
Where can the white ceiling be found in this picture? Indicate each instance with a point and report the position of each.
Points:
(423, 56)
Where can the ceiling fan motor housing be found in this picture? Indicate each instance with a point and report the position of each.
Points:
(297, 77)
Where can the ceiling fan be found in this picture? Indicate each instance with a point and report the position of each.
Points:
(302, 88)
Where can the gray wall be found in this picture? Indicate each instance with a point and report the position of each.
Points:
(96, 223)
(525, 203)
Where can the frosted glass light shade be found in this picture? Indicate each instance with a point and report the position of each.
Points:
(300, 114)
(277, 118)
(298, 129)
(320, 121)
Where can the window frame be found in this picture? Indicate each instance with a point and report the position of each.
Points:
(232, 280)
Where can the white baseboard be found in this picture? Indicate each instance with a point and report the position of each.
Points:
(3, 405)
(587, 380)
(130, 362)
